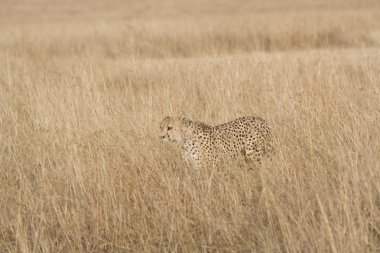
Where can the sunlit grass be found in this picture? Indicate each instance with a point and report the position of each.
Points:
(82, 93)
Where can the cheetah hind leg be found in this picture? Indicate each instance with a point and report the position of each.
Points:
(252, 158)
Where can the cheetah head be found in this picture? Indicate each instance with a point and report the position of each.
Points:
(174, 129)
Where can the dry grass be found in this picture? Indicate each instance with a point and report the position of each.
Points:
(84, 85)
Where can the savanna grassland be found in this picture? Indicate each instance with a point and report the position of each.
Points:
(84, 85)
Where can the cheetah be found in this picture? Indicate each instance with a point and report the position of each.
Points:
(203, 145)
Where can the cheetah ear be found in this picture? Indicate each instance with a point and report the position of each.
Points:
(186, 122)
(164, 121)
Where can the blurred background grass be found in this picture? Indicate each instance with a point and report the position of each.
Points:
(83, 86)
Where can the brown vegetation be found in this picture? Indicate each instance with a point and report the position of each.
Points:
(84, 84)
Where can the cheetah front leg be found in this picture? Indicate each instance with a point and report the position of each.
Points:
(193, 162)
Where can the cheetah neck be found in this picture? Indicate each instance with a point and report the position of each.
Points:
(196, 125)
(194, 131)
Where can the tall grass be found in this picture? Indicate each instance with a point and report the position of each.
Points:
(84, 86)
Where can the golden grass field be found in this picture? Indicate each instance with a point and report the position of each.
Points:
(84, 85)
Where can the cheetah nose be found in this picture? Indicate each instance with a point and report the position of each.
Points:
(161, 137)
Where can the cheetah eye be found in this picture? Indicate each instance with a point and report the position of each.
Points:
(170, 128)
